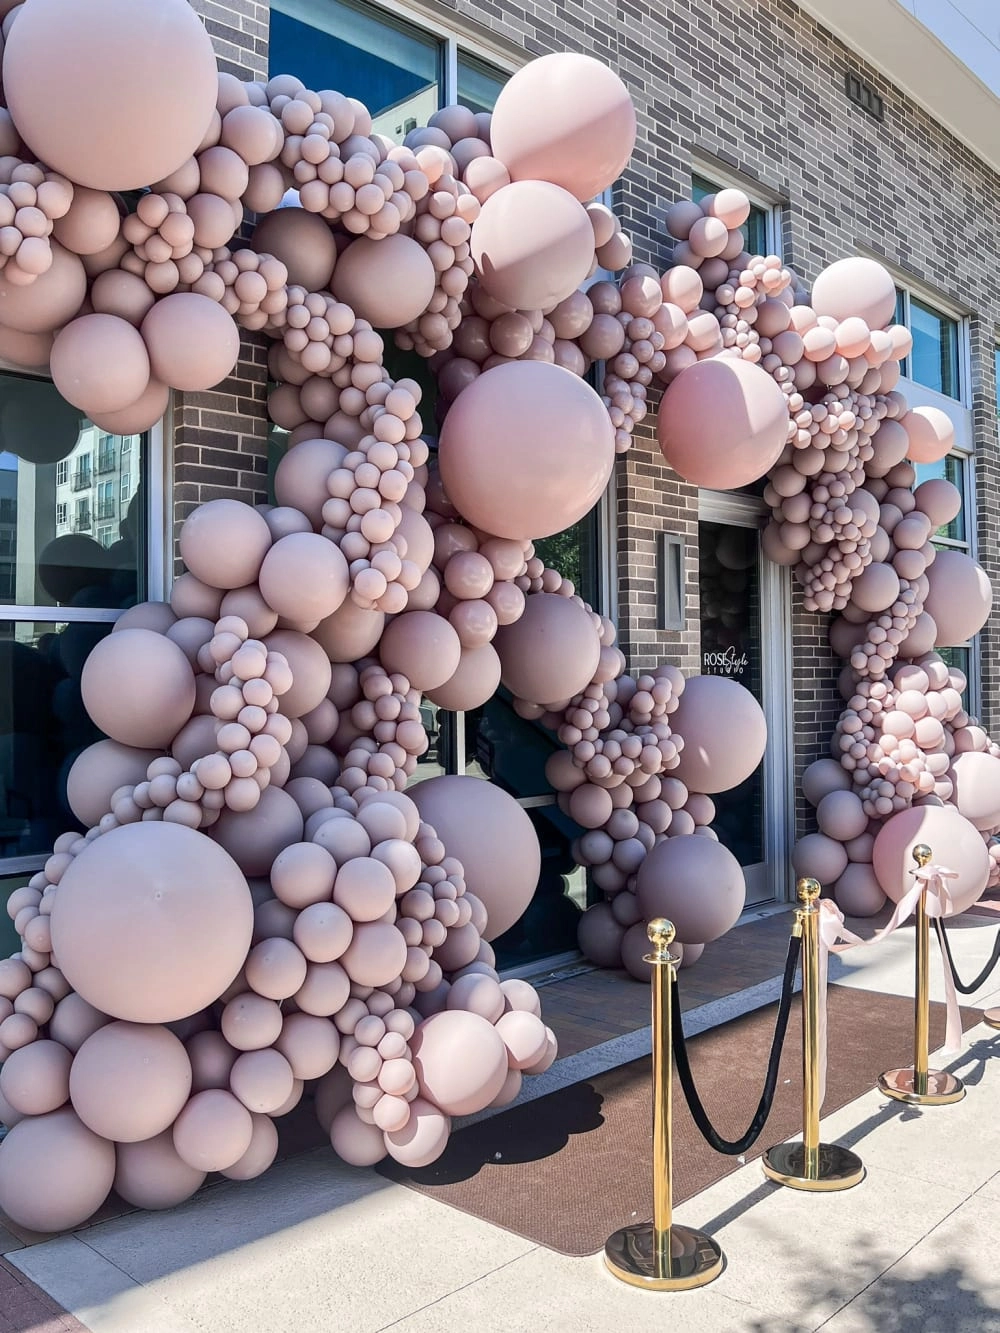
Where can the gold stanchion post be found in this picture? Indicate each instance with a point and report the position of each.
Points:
(918, 1085)
(811, 1165)
(660, 1255)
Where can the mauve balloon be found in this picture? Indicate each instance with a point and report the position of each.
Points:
(388, 282)
(532, 244)
(954, 842)
(724, 734)
(193, 342)
(527, 450)
(138, 687)
(959, 598)
(460, 1059)
(129, 1081)
(856, 287)
(54, 1171)
(99, 364)
(695, 883)
(302, 241)
(151, 1175)
(930, 432)
(115, 94)
(551, 652)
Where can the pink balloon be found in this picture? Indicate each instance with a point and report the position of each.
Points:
(138, 687)
(461, 1061)
(54, 1171)
(959, 598)
(954, 842)
(856, 287)
(526, 450)
(551, 652)
(388, 282)
(99, 364)
(930, 432)
(694, 882)
(724, 734)
(561, 250)
(722, 423)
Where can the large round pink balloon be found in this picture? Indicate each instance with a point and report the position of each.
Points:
(99, 364)
(856, 287)
(138, 687)
(931, 434)
(565, 118)
(152, 922)
(388, 281)
(976, 780)
(115, 94)
(724, 734)
(551, 652)
(129, 1081)
(532, 244)
(722, 423)
(694, 882)
(959, 597)
(151, 1174)
(98, 772)
(193, 342)
(492, 837)
(526, 450)
(954, 842)
(224, 542)
(460, 1059)
(54, 1171)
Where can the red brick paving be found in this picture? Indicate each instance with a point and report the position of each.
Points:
(25, 1308)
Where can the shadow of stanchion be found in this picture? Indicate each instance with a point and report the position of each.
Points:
(970, 1065)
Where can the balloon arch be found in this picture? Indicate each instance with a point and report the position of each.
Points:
(261, 904)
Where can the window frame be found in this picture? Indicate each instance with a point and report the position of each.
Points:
(906, 291)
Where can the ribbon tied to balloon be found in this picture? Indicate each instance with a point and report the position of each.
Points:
(834, 937)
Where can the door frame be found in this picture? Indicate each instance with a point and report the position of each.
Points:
(747, 511)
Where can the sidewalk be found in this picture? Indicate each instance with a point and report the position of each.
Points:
(315, 1245)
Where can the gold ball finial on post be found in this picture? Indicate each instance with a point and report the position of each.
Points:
(661, 934)
(922, 854)
(808, 890)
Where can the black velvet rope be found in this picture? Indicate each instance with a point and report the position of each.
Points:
(960, 985)
(698, 1112)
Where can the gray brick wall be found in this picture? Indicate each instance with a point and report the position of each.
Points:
(759, 88)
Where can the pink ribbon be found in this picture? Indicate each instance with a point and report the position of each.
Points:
(834, 937)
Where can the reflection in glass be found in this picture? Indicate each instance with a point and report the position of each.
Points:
(729, 589)
(934, 359)
(390, 66)
(951, 468)
(754, 229)
(549, 925)
(574, 553)
(479, 84)
(10, 941)
(438, 725)
(72, 529)
(43, 726)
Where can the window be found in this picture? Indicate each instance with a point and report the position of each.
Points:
(935, 360)
(125, 488)
(761, 229)
(64, 578)
(106, 499)
(107, 454)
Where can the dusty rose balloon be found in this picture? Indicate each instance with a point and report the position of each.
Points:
(388, 282)
(976, 780)
(841, 815)
(600, 935)
(50, 301)
(310, 1044)
(532, 245)
(30, 351)
(931, 434)
(152, 1175)
(819, 857)
(213, 1131)
(724, 734)
(473, 683)
(424, 1137)
(300, 478)
(856, 287)
(959, 597)
(460, 1059)
(152, 922)
(223, 543)
(304, 577)
(526, 450)
(422, 646)
(139, 416)
(722, 423)
(358, 1143)
(695, 883)
(858, 892)
(939, 499)
(35, 1079)
(129, 1081)
(262, 1150)
(262, 1080)
(822, 777)
(99, 363)
(100, 770)
(193, 343)
(484, 828)
(255, 838)
(138, 687)
(954, 842)
(376, 954)
(91, 224)
(921, 638)
(54, 1171)
(74, 1021)
(565, 118)
(304, 244)
(552, 652)
(122, 98)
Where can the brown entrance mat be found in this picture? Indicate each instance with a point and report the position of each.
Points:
(568, 1169)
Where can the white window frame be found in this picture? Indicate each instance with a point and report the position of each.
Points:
(909, 289)
(769, 204)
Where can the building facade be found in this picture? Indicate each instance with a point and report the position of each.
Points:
(843, 145)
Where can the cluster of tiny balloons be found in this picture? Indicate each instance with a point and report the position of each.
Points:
(258, 907)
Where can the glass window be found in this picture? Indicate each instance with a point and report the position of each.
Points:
(479, 84)
(574, 553)
(953, 468)
(62, 472)
(755, 227)
(934, 360)
(388, 64)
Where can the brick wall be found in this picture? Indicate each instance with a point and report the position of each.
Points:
(759, 89)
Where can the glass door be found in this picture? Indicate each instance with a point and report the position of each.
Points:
(745, 635)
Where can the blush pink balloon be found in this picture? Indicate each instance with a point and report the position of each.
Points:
(564, 118)
(532, 245)
(423, 646)
(551, 652)
(388, 282)
(954, 842)
(856, 287)
(138, 687)
(526, 450)
(460, 1059)
(129, 1081)
(976, 781)
(959, 597)
(192, 341)
(724, 734)
(931, 434)
(722, 423)
(694, 882)
(54, 1171)
(99, 363)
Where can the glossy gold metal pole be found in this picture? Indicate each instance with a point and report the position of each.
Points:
(920, 1086)
(811, 1165)
(659, 1255)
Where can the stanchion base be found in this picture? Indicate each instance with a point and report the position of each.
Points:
(942, 1087)
(991, 1017)
(839, 1168)
(695, 1258)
